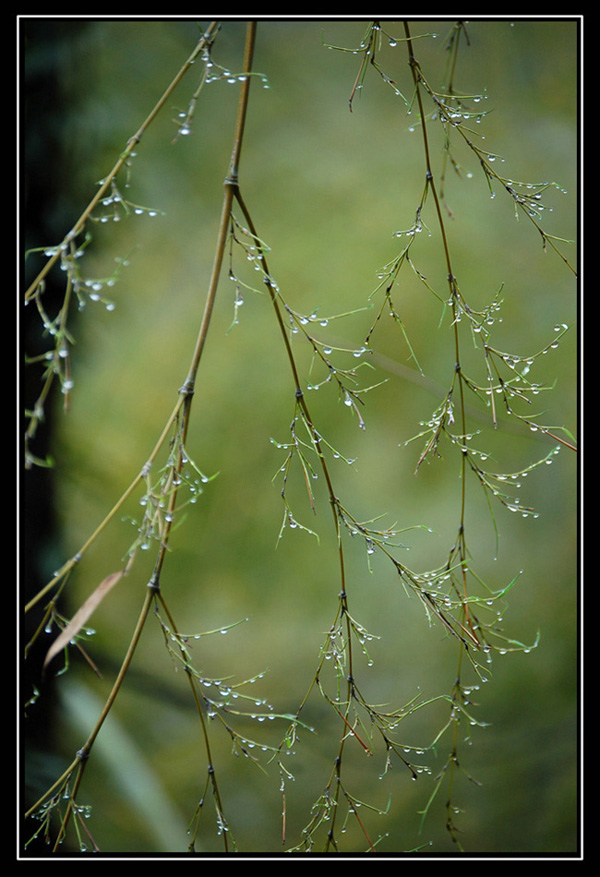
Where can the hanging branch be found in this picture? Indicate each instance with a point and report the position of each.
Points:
(179, 417)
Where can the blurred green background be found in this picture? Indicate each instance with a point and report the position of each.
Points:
(327, 189)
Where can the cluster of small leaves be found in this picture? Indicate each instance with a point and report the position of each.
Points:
(363, 720)
(452, 111)
(506, 381)
(179, 471)
(442, 591)
(387, 276)
(375, 728)
(53, 811)
(384, 538)
(255, 252)
(325, 811)
(372, 728)
(121, 207)
(369, 48)
(307, 450)
(230, 704)
(344, 379)
(308, 446)
(211, 72)
(84, 289)
(454, 595)
(112, 206)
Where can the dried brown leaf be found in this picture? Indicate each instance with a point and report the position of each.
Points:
(82, 615)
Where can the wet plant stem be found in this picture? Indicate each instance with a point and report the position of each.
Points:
(335, 507)
(460, 546)
(180, 416)
(454, 292)
(205, 40)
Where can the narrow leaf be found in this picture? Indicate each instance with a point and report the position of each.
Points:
(82, 615)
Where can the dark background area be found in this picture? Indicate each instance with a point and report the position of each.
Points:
(327, 189)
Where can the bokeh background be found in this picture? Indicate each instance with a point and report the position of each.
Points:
(327, 189)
